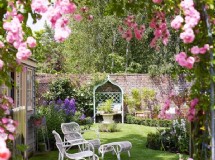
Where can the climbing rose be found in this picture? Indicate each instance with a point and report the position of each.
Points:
(127, 35)
(183, 61)
(31, 42)
(187, 36)
(4, 151)
(157, 1)
(39, 6)
(90, 17)
(1, 64)
(78, 17)
(192, 110)
(195, 50)
(1, 44)
(176, 23)
(23, 53)
(61, 34)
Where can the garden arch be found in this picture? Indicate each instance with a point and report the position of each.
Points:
(108, 90)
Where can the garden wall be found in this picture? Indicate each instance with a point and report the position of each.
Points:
(162, 85)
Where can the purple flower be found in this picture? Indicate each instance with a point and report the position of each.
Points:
(82, 117)
(59, 102)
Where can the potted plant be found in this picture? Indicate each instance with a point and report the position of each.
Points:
(106, 111)
(36, 119)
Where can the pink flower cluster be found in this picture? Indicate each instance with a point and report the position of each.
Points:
(130, 24)
(185, 61)
(201, 50)
(4, 151)
(163, 114)
(192, 110)
(158, 23)
(39, 6)
(13, 26)
(7, 125)
(192, 17)
(157, 1)
(59, 21)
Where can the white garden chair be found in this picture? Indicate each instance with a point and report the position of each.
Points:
(81, 155)
(72, 132)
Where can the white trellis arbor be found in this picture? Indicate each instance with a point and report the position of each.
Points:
(108, 90)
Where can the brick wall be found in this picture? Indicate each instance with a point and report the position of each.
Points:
(162, 85)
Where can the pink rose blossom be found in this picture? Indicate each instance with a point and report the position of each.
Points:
(61, 34)
(39, 6)
(202, 50)
(84, 9)
(90, 17)
(157, 1)
(23, 53)
(4, 151)
(127, 35)
(4, 120)
(4, 136)
(190, 62)
(195, 50)
(20, 17)
(186, 4)
(1, 44)
(138, 34)
(66, 7)
(78, 17)
(31, 42)
(2, 130)
(187, 36)
(176, 23)
(11, 137)
(11, 128)
(1, 64)
(194, 102)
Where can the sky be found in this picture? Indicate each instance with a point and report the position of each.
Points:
(37, 26)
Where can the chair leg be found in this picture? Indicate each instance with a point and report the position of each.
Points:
(129, 155)
(118, 156)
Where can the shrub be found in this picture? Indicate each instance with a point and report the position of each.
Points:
(148, 122)
(153, 141)
(109, 127)
(174, 139)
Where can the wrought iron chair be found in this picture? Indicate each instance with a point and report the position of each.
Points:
(81, 155)
(72, 132)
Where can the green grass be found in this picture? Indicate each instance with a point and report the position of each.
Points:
(136, 134)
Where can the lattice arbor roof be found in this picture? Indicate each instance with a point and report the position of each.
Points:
(108, 90)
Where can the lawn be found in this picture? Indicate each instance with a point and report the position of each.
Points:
(136, 134)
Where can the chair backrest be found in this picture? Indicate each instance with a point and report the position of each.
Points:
(59, 142)
(71, 127)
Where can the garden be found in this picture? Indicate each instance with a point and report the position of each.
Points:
(107, 79)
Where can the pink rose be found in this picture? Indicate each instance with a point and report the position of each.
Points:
(127, 35)
(176, 23)
(4, 151)
(31, 42)
(157, 1)
(1, 64)
(23, 53)
(39, 6)
(190, 62)
(1, 44)
(138, 34)
(195, 50)
(78, 17)
(90, 17)
(194, 102)
(187, 36)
